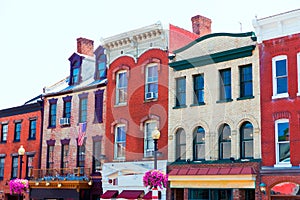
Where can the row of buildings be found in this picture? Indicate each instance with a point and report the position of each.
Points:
(226, 106)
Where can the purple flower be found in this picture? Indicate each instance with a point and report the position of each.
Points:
(18, 186)
(155, 178)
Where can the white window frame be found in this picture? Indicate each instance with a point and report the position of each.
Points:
(298, 68)
(280, 164)
(148, 139)
(275, 94)
(151, 80)
(118, 89)
(117, 142)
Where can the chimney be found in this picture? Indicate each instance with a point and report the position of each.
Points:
(85, 46)
(201, 25)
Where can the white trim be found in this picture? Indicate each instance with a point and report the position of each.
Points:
(275, 94)
(298, 70)
(280, 164)
(145, 137)
(117, 89)
(115, 143)
(153, 81)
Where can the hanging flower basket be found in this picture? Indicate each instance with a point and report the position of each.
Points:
(18, 186)
(155, 178)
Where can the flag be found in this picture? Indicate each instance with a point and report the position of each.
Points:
(81, 133)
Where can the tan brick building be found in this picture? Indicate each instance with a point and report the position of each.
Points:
(214, 117)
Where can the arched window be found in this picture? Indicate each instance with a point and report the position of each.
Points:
(199, 143)
(246, 145)
(180, 145)
(224, 142)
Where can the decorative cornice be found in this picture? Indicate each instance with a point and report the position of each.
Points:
(247, 34)
(213, 58)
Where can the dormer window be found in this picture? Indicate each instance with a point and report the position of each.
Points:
(101, 68)
(75, 71)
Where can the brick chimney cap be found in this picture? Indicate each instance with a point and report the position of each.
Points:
(84, 39)
(197, 17)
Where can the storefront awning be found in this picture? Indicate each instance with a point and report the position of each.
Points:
(131, 194)
(110, 194)
(149, 195)
(215, 177)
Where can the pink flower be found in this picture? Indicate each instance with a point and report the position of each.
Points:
(18, 186)
(155, 178)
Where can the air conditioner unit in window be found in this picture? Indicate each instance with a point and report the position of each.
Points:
(64, 121)
(150, 95)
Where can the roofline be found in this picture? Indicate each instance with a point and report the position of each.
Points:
(246, 34)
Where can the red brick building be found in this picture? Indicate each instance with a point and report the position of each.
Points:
(73, 130)
(137, 102)
(279, 45)
(19, 126)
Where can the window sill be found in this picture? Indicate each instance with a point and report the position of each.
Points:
(278, 165)
(3, 142)
(31, 139)
(50, 127)
(244, 98)
(197, 104)
(224, 101)
(178, 107)
(279, 96)
(119, 159)
(150, 100)
(120, 105)
(16, 141)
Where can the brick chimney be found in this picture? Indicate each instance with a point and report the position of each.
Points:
(201, 25)
(85, 46)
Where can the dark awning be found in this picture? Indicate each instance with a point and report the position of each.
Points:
(131, 194)
(149, 195)
(110, 194)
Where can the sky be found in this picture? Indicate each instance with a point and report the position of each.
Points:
(38, 36)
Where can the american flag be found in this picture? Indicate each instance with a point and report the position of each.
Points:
(81, 133)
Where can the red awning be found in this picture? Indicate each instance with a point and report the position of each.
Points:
(131, 194)
(149, 195)
(110, 194)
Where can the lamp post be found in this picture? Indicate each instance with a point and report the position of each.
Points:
(21, 153)
(155, 136)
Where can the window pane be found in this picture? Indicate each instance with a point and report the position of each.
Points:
(282, 85)
(180, 91)
(283, 131)
(225, 84)
(248, 149)
(180, 145)
(281, 68)
(284, 152)
(226, 148)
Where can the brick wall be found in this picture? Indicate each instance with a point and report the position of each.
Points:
(137, 108)
(289, 46)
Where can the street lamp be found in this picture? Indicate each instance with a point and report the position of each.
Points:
(155, 136)
(21, 152)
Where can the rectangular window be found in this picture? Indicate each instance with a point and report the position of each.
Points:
(52, 115)
(282, 143)
(67, 109)
(99, 106)
(32, 129)
(29, 167)
(120, 142)
(17, 136)
(198, 89)
(75, 75)
(14, 167)
(101, 69)
(151, 85)
(280, 76)
(4, 131)
(180, 92)
(246, 85)
(97, 156)
(2, 159)
(225, 84)
(64, 155)
(121, 88)
(149, 143)
(50, 156)
(83, 110)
